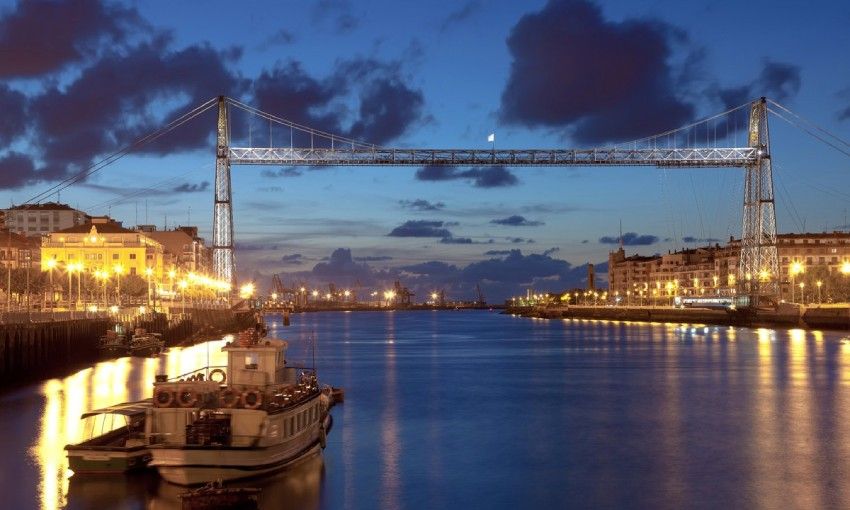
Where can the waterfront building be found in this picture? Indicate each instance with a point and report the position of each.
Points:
(18, 251)
(819, 261)
(34, 220)
(103, 246)
(183, 249)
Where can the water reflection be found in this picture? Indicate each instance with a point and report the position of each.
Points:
(471, 409)
(105, 384)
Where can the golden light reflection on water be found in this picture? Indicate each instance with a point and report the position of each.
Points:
(107, 383)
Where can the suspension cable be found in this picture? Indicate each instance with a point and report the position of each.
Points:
(688, 126)
(120, 153)
(300, 127)
(807, 121)
(809, 132)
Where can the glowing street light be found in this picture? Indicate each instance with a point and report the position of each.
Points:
(819, 283)
(118, 269)
(794, 269)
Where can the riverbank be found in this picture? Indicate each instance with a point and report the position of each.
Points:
(31, 351)
(835, 317)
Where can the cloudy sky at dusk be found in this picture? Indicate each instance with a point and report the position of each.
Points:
(83, 79)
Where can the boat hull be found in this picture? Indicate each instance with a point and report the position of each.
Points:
(117, 461)
(198, 465)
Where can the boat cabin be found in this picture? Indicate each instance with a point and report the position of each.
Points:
(258, 365)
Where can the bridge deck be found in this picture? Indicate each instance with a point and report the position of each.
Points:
(684, 157)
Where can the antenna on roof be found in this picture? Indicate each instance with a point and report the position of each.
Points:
(621, 233)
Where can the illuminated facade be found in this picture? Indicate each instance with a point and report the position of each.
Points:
(103, 245)
(712, 270)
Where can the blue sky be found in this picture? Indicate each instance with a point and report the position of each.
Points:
(92, 75)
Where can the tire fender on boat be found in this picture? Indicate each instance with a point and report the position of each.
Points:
(323, 436)
(218, 371)
(163, 397)
(186, 397)
(252, 399)
(230, 398)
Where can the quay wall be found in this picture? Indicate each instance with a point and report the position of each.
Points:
(788, 316)
(33, 350)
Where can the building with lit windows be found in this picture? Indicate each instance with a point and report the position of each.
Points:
(184, 250)
(35, 220)
(18, 251)
(818, 261)
(103, 246)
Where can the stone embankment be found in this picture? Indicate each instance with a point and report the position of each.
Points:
(34, 350)
(786, 316)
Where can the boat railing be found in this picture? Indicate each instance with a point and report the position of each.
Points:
(203, 372)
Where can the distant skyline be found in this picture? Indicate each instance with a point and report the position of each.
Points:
(82, 79)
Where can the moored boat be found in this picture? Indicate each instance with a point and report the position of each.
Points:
(114, 342)
(113, 440)
(144, 343)
(255, 416)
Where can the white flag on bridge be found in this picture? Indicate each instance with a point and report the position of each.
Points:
(491, 137)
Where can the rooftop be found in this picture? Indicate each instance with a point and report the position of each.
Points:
(46, 206)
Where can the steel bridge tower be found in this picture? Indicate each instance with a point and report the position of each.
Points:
(223, 260)
(758, 267)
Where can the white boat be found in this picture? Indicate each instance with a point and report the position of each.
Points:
(256, 416)
(112, 440)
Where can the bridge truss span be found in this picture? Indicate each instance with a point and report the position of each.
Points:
(358, 156)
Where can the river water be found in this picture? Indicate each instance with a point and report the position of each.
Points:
(472, 409)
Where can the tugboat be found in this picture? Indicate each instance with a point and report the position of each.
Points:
(113, 442)
(144, 343)
(254, 416)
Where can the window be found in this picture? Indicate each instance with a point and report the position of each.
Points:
(133, 270)
(114, 256)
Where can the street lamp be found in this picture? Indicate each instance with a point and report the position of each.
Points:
(819, 283)
(118, 269)
(183, 285)
(51, 265)
(802, 292)
(796, 268)
(148, 274)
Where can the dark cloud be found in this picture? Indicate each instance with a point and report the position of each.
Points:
(16, 170)
(192, 188)
(421, 228)
(630, 239)
(692, 239)
(287, 171)
(585, 241)
(421, 205)
(294, 259)
(776, 80)
(109, 104)
(497, 252)
(481, 177)
(516, 221)
(518, 240)
(13, 117)
(387, 106)
(374, 258)
(602, 80)
(552, 250)
(42, 36)
(460, 15)
(343, 270)
(456, 240)
(508, 274)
